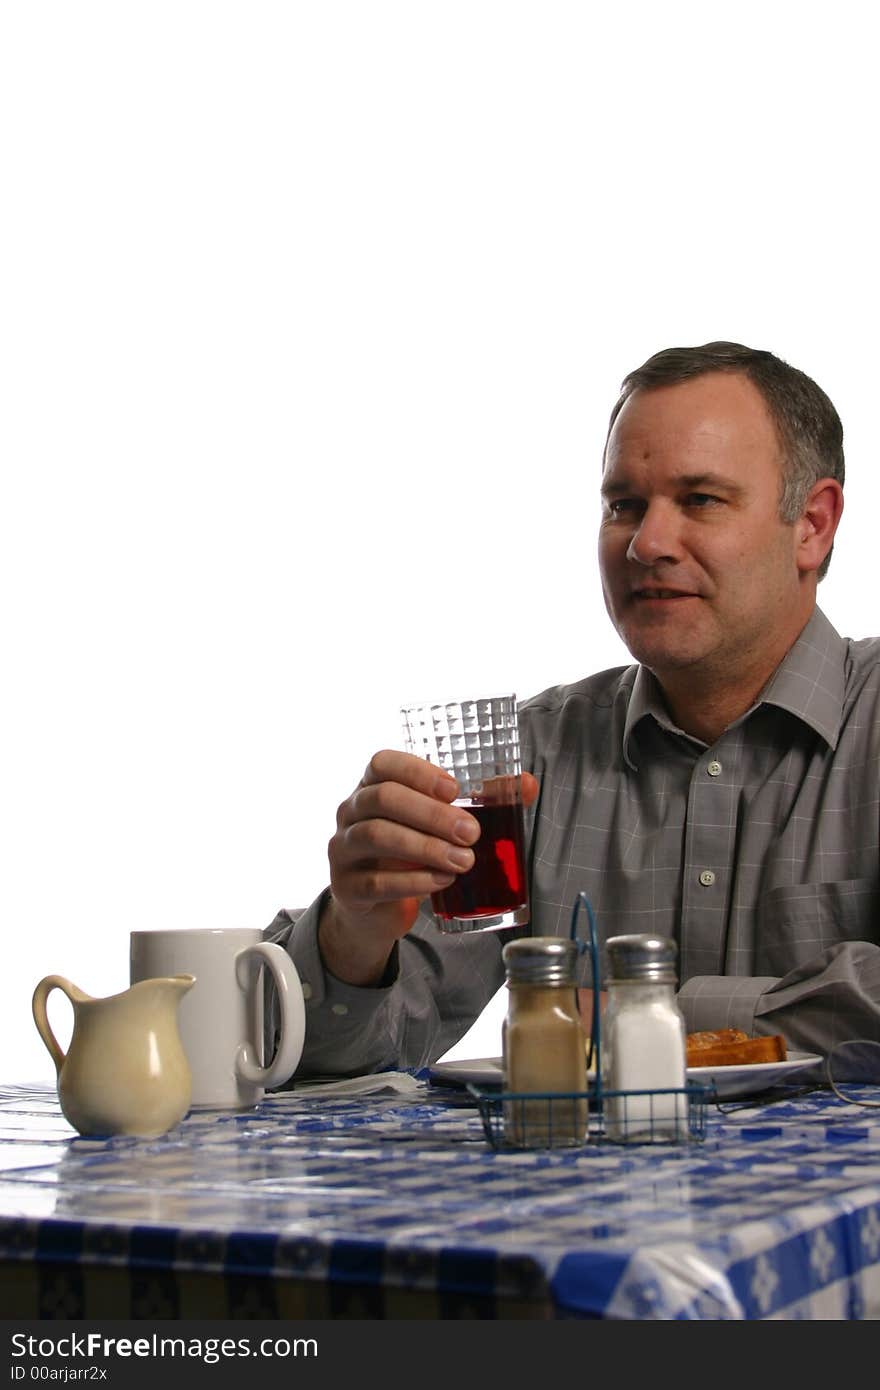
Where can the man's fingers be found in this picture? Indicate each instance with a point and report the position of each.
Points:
(369, 841)
(390, 765)
(370, 886)
(401, 805)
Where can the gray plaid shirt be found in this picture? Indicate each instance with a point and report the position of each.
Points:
(759, 855)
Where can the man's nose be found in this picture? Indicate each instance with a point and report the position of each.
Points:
(657, 536)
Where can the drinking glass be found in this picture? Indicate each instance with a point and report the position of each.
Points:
(477, 742)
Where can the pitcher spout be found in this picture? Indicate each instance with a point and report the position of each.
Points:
(173, 987)
(181, 983)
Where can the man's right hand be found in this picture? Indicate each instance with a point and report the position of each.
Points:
(398, 839)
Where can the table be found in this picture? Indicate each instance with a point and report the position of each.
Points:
(391, 1204)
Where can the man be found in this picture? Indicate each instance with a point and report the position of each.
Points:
(722, 791)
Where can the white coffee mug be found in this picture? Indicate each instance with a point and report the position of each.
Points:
(221, 1018)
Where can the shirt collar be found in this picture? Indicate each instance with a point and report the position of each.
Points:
(811, 680)
(808, 683)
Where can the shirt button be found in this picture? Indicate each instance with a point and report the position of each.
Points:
(342, 1009)
(707, 878)
(713, 768)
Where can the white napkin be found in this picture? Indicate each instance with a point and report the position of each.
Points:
(380, 1083)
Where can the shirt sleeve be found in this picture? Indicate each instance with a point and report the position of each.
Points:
(832, 998)
(434, 988)
(723, 1001)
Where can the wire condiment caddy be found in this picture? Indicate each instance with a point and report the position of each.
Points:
(571, 1119)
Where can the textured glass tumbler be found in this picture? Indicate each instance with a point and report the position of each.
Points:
(477, 743)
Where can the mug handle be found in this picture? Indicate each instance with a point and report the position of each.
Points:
(41, 1017)
(292, 1010)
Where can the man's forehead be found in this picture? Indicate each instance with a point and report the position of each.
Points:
(644, 437)
(717, 418)
(712, 401)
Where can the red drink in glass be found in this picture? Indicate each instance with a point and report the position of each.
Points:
(497, 882)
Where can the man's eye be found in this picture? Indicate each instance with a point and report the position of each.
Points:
(701, 499)
(620, 506)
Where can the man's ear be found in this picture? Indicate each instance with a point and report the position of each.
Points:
(818, 523)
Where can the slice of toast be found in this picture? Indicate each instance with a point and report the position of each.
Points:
(708, 1038)
(730, 1047)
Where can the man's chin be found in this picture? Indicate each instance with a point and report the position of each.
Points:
(660, 654)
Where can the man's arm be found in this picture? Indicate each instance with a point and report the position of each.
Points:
(433, 988)
(398, 838)
(384, 986)
(834, 997)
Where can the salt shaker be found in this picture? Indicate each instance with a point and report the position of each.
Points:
(544, 1045)
(643, 1041)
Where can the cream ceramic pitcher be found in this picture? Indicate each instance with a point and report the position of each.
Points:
(125, 1070)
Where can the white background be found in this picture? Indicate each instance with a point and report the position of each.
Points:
(312, 316)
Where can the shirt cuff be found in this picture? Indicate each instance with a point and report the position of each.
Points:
(350, 1029)
(298, 933)
(710, 1002)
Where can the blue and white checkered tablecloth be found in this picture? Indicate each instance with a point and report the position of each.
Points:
(393, 1204)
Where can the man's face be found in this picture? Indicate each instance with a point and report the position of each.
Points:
(698, 571)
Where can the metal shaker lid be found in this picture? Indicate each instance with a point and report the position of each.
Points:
(540, 960)
(641, 957)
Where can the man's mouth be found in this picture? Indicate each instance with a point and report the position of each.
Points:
(663, 593)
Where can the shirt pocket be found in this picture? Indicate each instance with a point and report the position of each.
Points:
(796, 923)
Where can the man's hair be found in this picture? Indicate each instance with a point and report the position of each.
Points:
(808, 426)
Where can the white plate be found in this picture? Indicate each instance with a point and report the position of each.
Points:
(729, 1082)
(732, 1082)
(482, 1071)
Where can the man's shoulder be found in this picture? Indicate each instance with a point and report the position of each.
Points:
(863, 652)
(861, 671)
(600, 691)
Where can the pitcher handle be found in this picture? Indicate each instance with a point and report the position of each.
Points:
(41, 1017)
(292, 1012)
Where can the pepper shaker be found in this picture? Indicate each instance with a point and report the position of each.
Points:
(544, 1045)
